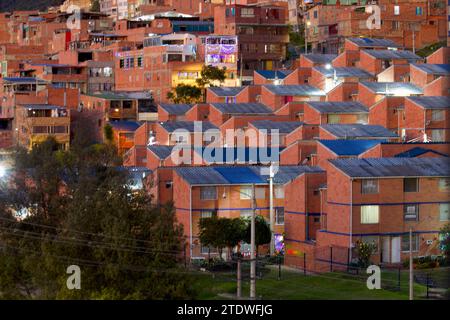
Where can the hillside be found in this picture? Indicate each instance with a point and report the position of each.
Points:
(11, 5)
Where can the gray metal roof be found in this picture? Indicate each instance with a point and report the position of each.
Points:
(43, 107)
(242, 108)
(190, 126)
(373, 42)
(391, 54)
(176, 109)
(338, 106)
(281, 126)
(436, 69)
(320, 58)
(226, 91)
(394, 167)
(353, 131)
(161, 152)
(393, 88)
(294, 90)
(438, 102)
(344, 72)
(240, 175)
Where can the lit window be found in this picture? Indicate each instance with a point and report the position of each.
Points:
(279, 192)
(438, 135)
(246, 193)
(369, 186)
(444, 214)
(369, 214)
(208, 193)
(444, 184)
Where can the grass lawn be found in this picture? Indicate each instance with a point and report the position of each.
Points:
(296, 286)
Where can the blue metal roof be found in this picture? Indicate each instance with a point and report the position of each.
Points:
(176, 109)
(162, 152)
(344, 72)
(236, 175)
(23, 80)
(190, 126)
(283, 127)
(393, 88)
(393, 54)
(338, 106)
(242, 108)
(427, 102)
(320, 58)
(274, 74)
(374, 42)
(436, 69)
(294, 90)
(123, 125)
(226, 91)
(418, 151)
(349, 147)
(393, 167)
(355, 131)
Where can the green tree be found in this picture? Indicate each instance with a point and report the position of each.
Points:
(108, 132)
(81, 211)
(210, 76)
(184, 93)
(364, 252)
(95, 6)
(444, 243)
(262, 232)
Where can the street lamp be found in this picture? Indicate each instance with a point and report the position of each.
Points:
(2, 171)
(307, 24)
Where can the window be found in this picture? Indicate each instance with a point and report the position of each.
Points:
(444, 184)
(207, 214)
(279, 216)
(371, 240)
(405, 243)
(260, 193)
(334, 118)
(411, 185)
(395, 25)
(207, 249)
(208, 193)
(396, 10)
(369, 186)
(437, 135)
(444, 214)
(437, 115)
(122, 63)
(369, 214)
(419, 11)
(139, 62)
(247, 12)
(279, 192)
(411, 212)
(246, 214)
(246, 193)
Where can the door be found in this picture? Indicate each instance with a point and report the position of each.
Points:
(396, 243)
(386, 254)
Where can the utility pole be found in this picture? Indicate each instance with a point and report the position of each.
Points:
(272, 215)
(239, 277)
(252, 249)
(413, 28)
(411, 270)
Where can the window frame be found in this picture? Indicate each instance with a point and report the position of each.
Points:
(362, 214)
(202, 193)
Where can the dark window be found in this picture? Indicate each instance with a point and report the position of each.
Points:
(411, 185)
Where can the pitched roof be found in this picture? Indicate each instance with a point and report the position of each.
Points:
(162, 152)
(393, 54)
(236, 175)
(190, 126)
(176, 109)
(320, 58)
(122, 95)
(349, 147)
(281, 126)
(343, 72)
(294, 90)
(226, 91)
(373, 42)
(393, 88)
(242, 108)
(393, 167)
(23, 80)
(436, 69)
(418, 151)
(338, 106)
(42, 107)
(124, 125)
(218, 155)
(274, 74)
(427, 102)
(350, 131)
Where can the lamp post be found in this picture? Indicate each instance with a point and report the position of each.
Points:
(253, 247)
(307, 24)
